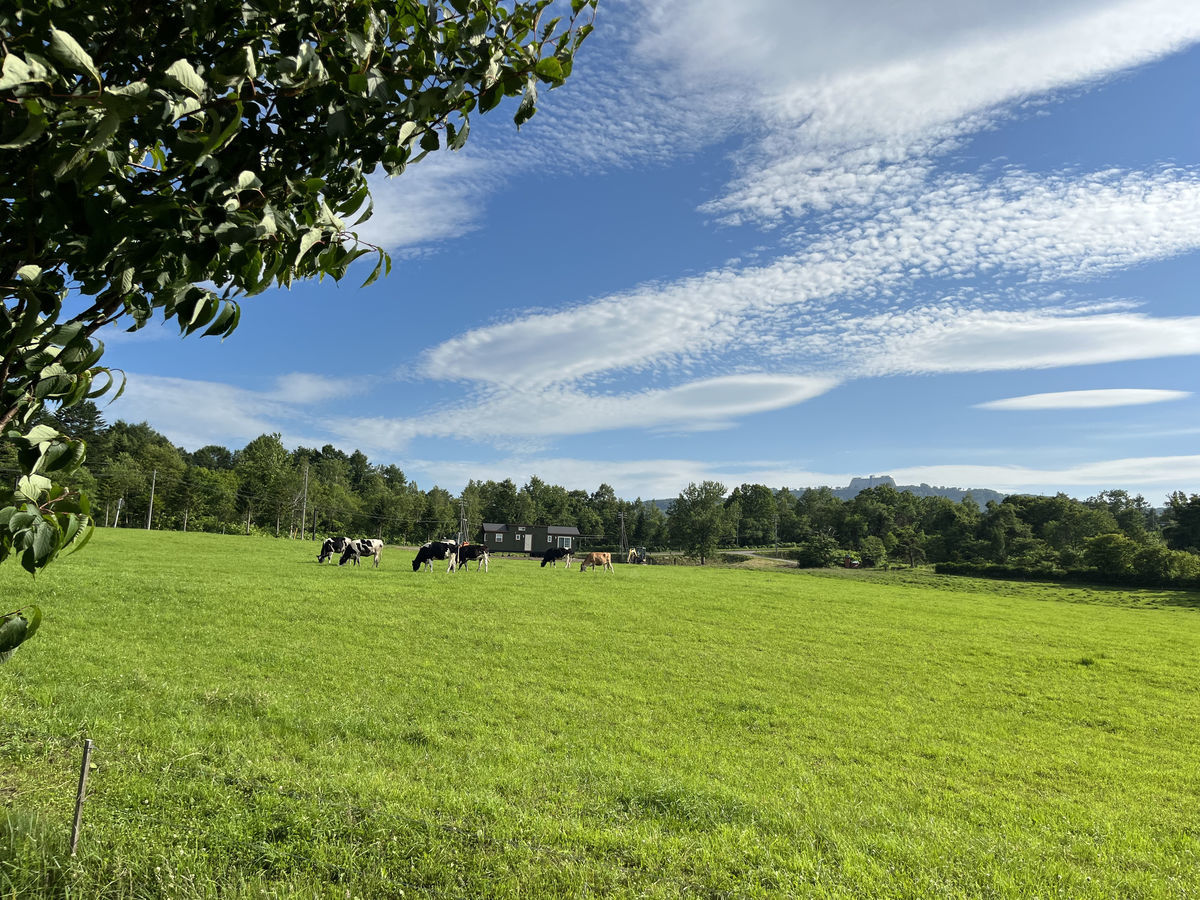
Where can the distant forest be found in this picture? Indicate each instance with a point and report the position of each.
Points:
(137, 478)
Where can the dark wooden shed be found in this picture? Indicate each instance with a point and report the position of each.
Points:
(532, 539)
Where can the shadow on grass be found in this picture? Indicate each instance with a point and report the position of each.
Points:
(1044, 590)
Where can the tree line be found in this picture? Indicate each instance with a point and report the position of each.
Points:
(137, 478)
(1112, 536)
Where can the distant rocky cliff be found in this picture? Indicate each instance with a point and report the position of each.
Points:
(980, 495)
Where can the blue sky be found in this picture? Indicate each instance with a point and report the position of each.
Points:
(806, 242)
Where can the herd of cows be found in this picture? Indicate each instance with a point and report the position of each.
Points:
(457, 555)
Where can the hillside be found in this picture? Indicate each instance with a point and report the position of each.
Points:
(982, 496)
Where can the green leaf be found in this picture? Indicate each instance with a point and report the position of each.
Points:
(17, 71)
(245, 181)
(222, 136)
(40, 434)
(182, 74)
(66, 50)
(384, 265)
(405, 132)
(33, 614)
(13, 630)
(35, 126)
(225, 321)
(41, 546)
(430, 141)
(33, 487)
(103, 132)
(551, 70)
(63, 457)
(20, 520)
(79, 542)
(460, 139)
(307, 240)
(528, 104)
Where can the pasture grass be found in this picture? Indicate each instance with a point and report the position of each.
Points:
(268, 727)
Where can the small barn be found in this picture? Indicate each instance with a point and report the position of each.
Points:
(532, 539)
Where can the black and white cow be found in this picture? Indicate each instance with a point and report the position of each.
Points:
(554, 554)
(477, 552)
(432, 550)
(364, 547)
(331, 546)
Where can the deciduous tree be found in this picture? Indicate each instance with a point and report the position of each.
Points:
(699, 520)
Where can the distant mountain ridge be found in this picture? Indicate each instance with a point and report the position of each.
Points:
(982, 496)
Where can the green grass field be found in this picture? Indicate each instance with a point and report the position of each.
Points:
(268, 727)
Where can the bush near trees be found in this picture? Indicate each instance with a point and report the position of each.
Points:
(149, 152)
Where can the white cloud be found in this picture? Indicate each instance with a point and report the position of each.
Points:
(1039, 228)
(649, 479)
(774, 42)
(537, 414)
(888, 90)
(1095, 399)
(1133, 473)
(949, 340)
(437, 199)
(305, 388)
(195, 413)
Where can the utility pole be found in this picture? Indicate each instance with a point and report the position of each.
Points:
(624, 539)
(150, 512)
(304, 508)
(462, 521)
(117, 515)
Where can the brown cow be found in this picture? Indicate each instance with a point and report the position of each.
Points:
(597, 559)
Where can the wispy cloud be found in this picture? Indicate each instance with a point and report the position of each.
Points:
(955, 339)
(857, 106)
(646, 478)
(1095, 399)
(435, 200)
(554, 412)
(799, 309)
(194, 413)
(1138, 473)
(304, 388)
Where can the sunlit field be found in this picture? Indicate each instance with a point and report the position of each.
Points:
(268, 727)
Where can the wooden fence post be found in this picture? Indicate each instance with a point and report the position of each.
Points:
(81, 793)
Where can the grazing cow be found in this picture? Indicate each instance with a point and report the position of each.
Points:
(331, 546)
(364, 547)
(554, 554)
(432, 550)
(468, 552)
(596, 559)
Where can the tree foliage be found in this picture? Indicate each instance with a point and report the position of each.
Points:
(700, 520)
(151, 151)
